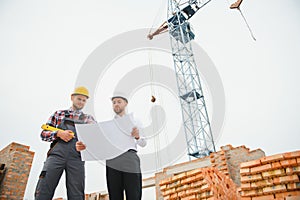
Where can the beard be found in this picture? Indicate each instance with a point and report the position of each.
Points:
(77, 107)
(118, 110)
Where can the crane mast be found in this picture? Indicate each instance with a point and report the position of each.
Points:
(196, 123)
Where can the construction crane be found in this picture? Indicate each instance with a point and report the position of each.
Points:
(197, 128)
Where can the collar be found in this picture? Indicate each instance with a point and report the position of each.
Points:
(71, 110)
(118, 116)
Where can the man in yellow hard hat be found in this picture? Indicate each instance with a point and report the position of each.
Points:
(63, 154)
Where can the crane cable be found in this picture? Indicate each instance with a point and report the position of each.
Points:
(162, 135)
(247, 24)
(153, 99)
(232, 6)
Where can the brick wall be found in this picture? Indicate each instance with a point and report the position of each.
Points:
(271, 177)
(18, 160)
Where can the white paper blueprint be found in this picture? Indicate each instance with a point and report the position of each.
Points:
(106, 140)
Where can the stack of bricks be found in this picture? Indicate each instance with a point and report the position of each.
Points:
(271, 177)
(96, 196)
(203, 183)
(18, 160)
(225, 162)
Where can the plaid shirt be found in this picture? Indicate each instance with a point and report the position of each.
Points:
(57, 118)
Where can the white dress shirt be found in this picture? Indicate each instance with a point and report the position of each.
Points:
(142, 142)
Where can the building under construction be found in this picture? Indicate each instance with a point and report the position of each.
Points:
(228, 174)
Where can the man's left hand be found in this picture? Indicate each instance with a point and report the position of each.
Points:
(80, 146)
(135, 133)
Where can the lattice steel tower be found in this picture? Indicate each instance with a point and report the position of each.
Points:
(197, 128)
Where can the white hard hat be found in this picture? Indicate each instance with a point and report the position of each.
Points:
(119, 95)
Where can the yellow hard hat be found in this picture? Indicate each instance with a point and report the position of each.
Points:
(81, 90)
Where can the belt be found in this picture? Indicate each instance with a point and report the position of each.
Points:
(132, 150)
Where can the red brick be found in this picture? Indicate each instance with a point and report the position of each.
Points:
(245, 186)
(188, 180)
(252, 163)
(165, 181)
(293, 198)
(285, 179)
(292, 170)
(251, 178)
(163, 187)
(182, 187)
(212, 155)
(276, 165)
(169, 192)
(190, 197)
(262, 183)
(178, 176)
(174, 196)
(245, 171)
(273, 173)
(251, 193)
(289, 163)
(174, 184)
(259, 169)
(274, 189)
(194, 172)
(181, 193)
(197, 184)
(205, 194)
(192, 191)
(273, 158)
(211, 198)
(264, 197)
(293, 186)
(287, 194)
(204, 188)
(199, 177)
(295, 154)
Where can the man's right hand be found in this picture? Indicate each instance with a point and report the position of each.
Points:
(66, 135)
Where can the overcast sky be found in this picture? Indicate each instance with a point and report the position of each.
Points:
(44, 44)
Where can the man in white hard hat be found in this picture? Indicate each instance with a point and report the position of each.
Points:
(123, 173)
(63, 154)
